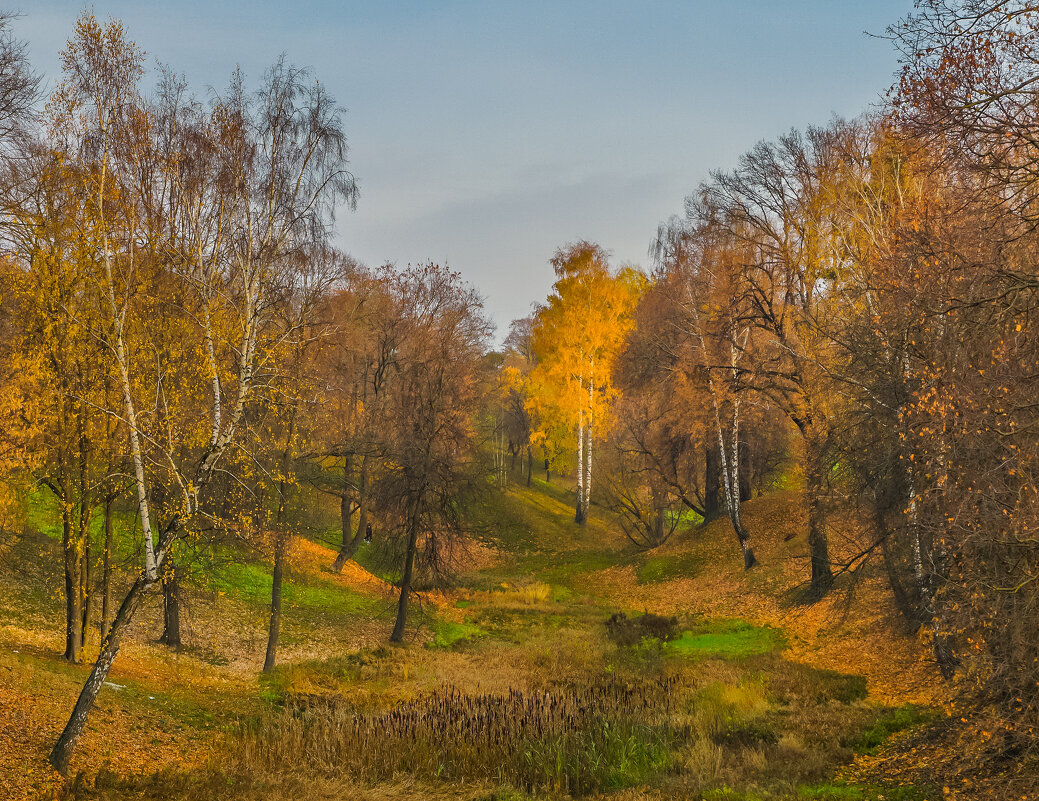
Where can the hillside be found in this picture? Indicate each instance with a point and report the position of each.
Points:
(761, 695)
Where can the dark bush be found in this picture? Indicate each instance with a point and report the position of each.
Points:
(746, 734)
(625, 630)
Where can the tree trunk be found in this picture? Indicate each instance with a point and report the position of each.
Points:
(588, 446)
(945, 656)
(73, 595)
(83, 531)
(281, 545)
(170, 608)
(745, 472)
(62, 751)
(712, 484)
(910, 611)
(405, 586)
(85, 593)
(349, 540)
(106, 575)
(530, 465)
(579, 509)
(749, 560)
(822, 573)
(275, 628)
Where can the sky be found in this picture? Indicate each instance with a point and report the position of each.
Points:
(485, 135)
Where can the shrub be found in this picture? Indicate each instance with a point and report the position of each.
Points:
(627, 631)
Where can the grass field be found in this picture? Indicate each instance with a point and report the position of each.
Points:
(509, 684)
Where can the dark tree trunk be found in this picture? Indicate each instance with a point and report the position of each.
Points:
(170, 608)
(73, 590)
(744, 472)
(275, 628)
(548, 473)
(712, 501)
(530, 466)
(362, 524)
(945, 656)
(281, 545)
(349, 543)
(83, 533)
(405, 586)
(822, 572)
(106, 575)
(910, 611)
(658, 527)
(62, 751)
(85, 593)
(749, 560)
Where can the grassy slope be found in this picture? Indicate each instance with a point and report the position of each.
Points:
(527, 610)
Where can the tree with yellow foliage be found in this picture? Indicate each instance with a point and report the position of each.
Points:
(577, 336)
(273, 172)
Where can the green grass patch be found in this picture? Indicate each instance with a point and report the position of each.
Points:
(670, 566)
(447, 634)
(251, 582)
(730, 638)
(832, 791)
(41, 512)
(684, 517)
(889, 723)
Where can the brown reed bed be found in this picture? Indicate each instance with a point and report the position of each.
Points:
(574, 739)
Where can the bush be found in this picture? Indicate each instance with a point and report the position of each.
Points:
(627, 631)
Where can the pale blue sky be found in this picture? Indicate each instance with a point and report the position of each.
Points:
(486, 134)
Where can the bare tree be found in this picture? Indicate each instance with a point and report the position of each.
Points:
(429, 436)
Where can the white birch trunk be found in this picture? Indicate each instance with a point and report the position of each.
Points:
(588, 470)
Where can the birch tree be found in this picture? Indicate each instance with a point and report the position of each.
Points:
(576, 337)
(777, 205)
(279, 170)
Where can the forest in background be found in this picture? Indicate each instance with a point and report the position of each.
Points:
(184, 345)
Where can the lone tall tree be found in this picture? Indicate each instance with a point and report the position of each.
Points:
(428, 434)
(576, 337)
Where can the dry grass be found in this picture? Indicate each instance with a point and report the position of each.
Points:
(572, 739)
(853, 635)
(738, 723)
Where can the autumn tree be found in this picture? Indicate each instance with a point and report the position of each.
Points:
(965, 258)
(356, 364)
(284, 424)
(777, 209)
(428, 434)
(278, 169)
(518, 362)
(703, 275)
(576, 337)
